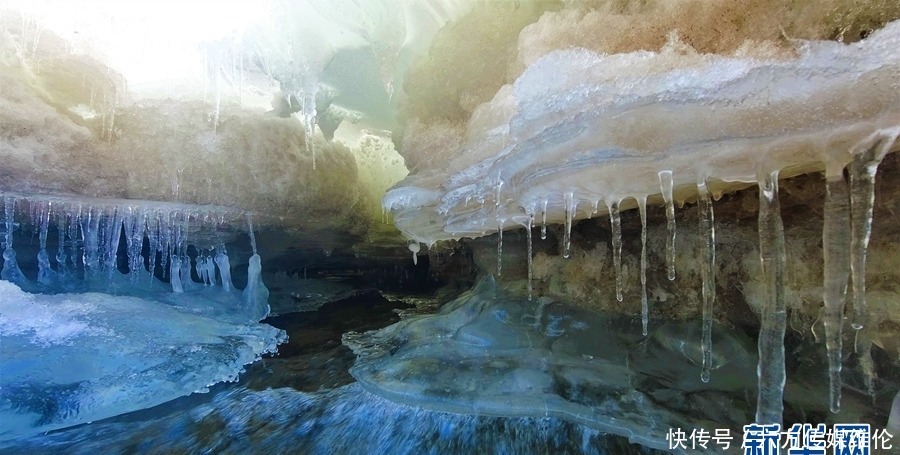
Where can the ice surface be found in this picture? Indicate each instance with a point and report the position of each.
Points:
(488, 353)
(75, 358)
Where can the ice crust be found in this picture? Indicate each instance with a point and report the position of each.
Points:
(603, 126)
(491, 353)
(75, 358)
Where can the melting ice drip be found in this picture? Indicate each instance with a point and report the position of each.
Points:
(90, 232)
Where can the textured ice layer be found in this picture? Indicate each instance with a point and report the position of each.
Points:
(602, 127)
(73, 358)
(491, 354)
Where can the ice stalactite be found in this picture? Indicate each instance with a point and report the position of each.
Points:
(135, 236)
(112, 235)
(771, 370)
(666, 183)
(46, 275)
(90, 227)
(175, 275)
(707, 271)
(615, 222)
(250, 231)
(255, 295)
(415, 248)
(210, 265)
(165, 242)
(645, 307)
(570, 214)
(153, 237)
(862, 172)
(500, 249)
(62, 269)
(224, 267)
(836, 248)
(529, 225)
(10, 271)
(544, 221)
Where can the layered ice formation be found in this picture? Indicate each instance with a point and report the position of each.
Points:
(578, 128)
(98, 333)
(490, 353)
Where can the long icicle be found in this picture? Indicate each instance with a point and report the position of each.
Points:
(708, 272)
(500, 249)
(770, 370)
(645, 307)
(666, 183)
(570, 213)
(544, 221)
(835, 246)
(615, 222)
(862, 201)
(530, 258)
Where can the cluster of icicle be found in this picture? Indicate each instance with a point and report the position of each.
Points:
(90, 233)
(846, 232)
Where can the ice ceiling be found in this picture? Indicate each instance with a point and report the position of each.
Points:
(463, 118)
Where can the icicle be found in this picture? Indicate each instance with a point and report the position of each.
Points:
(10, 271)
(255, 295)
(570, 213)
(186, 280)
(114, 234)
(666, 183)
(175, 275)
(153, 236)
(252, 235)
(544, 221)
(708, 272)
(615, 222)
(90, 229)
(165, 241)
(645, 307)
(836, 246)
(862, 200)
(61, 258)
(414, 247)
(135, 234)
(73, 232)
(500, 249)
(46, 275)
(530, 258)
(770, 370)
(200, 267)
(224, 268)
(210, 265)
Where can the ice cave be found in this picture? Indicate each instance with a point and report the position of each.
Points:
(450, 226)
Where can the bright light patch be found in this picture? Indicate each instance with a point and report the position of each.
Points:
(157, 46)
